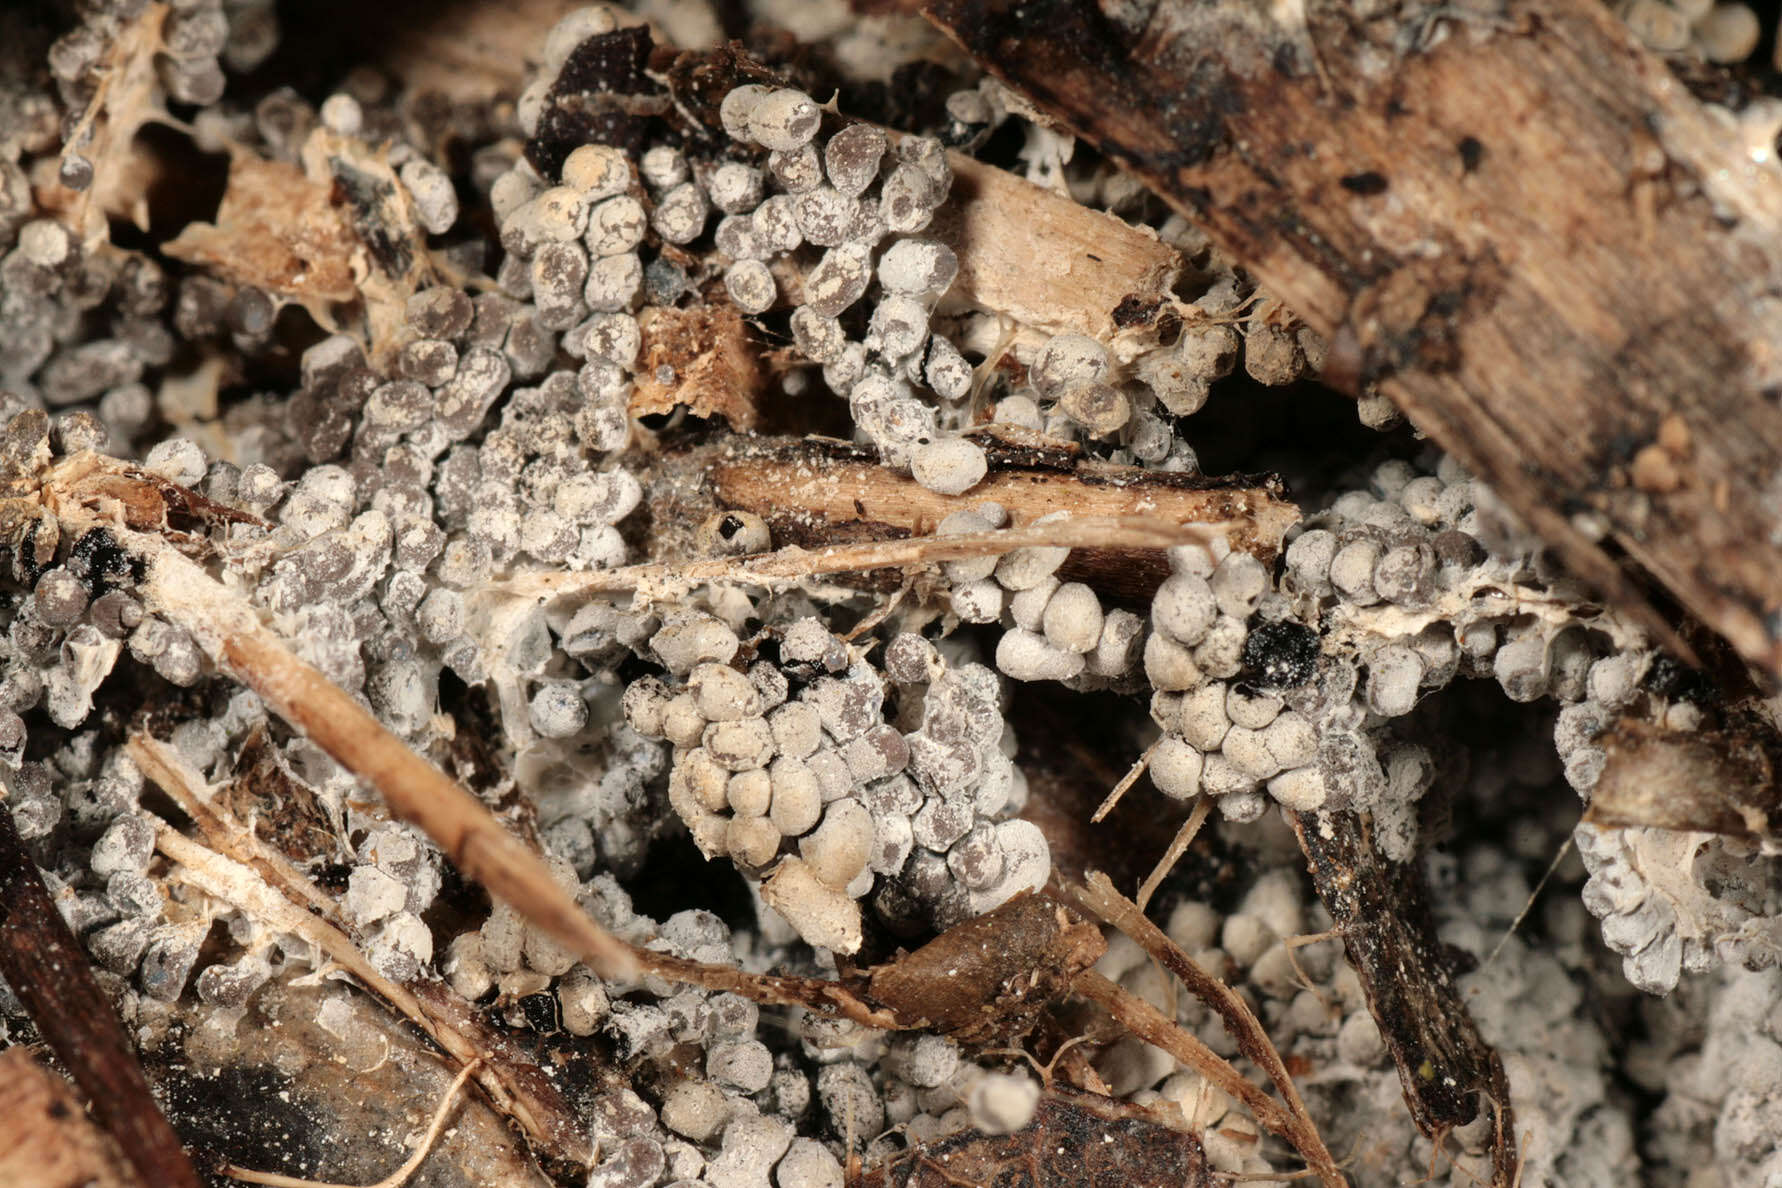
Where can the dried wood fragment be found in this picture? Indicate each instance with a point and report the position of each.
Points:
(700, 358)
(276, 230)
(48, 971)
(1558, 263)
(128, 95)
(814, 492)
(46, 1139)
(1075, 1140)
(1380, 910)
(1051, 264)
(1700, 781)
(795, 565)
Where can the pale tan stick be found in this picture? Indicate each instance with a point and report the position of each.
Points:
(396, 1178)
(1126, 781)
(1177, 847)
(228, 629)
(1098, 895)
(242, 888)
(241, 885)
(797, 564)
(168, 770)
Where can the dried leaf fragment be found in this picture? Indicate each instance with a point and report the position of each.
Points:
(992, 976)
(1701, 781)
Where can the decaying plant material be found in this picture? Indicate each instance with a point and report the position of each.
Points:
(45, 1139)
(573, 628)
(43, 964)
(1474, 263)
(1074, 1141)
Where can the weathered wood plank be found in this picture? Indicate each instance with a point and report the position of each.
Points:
(1519, 224)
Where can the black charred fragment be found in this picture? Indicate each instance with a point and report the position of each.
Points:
(1673, 680)
(1135, 310)
(1380, 909)
(1280, 655)
(102, 564)
(369, 198)
(700, 80)
(1367, 183)
(603, 95)
(1471, 153)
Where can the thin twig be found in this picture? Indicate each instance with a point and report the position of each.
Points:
(797, 564)
(1154, 1027)
(247, 889)
(1177, 847)
(1126, 781)
(1098, 895)
(396, 1178)
(167, 769)
(230, 631)
(1522, 915)
(242, 888)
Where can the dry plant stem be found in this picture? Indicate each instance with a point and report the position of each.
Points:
(163, 766)
(1098, 896)
(1126, 782)
(797, 564)
(1154, 1027)
(814, 492)
(1595, 385)
(48, 971)
(1177, 847)
(247, 889)
(1380, 909)
(242, 888)
(46, 1139)
(227, 627)
(396, 1178)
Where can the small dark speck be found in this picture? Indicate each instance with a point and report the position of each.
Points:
(1093, 256)
(1366, 184)
(1471, 152)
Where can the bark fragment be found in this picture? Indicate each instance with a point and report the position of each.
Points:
(46, 967)
(1379, 909)
(46, 1140)
(1519, 225)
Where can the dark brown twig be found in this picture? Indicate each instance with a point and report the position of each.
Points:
(1380, 911)
(46, 968)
